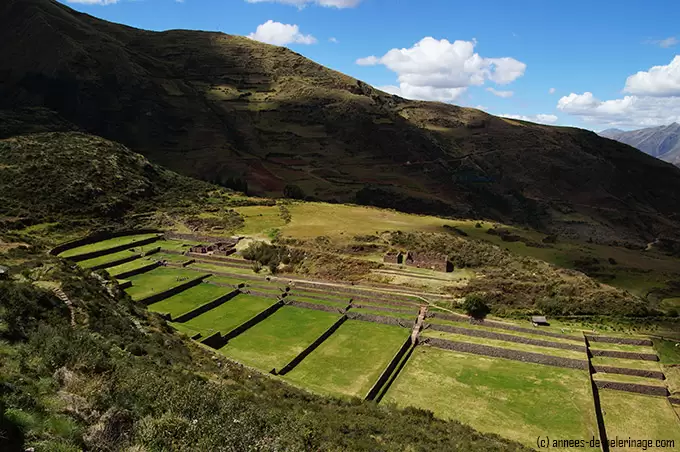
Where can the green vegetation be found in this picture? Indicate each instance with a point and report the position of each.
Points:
(158, 280)
(275, 341)
(637, 416)
(628, 379)
(129, 266)
(107, 258)
(475, 306)
(668, 351)
(189, 299)
(228, 316)
(408, 318)
(107, 244)
(119, 379)
(351, 360)
(174, 245)
(510, 398)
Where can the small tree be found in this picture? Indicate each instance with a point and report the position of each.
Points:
(475, 306)
(293, 192)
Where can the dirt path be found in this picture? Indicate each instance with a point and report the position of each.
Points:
(419, 325)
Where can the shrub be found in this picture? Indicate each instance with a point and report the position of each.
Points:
(475, 306)
(293, 192)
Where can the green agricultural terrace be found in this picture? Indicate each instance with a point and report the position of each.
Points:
(355, 340)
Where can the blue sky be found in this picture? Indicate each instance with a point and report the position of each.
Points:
(591, 64)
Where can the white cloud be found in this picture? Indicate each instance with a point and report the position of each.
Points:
(441, 70)
(631, 111)
(503, 94)
(658, 81)
(539, 118)
(333, 40)
(654, 100)
(280, 34)
(93, 2)
(302, 3)
(551, 90)
(666, 43)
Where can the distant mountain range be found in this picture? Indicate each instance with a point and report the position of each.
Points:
(662, 142)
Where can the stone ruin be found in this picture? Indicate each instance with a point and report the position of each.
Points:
(432, 261)
(393, 257)
(218, 248)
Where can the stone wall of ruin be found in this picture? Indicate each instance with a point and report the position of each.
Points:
(628, 371)
(199, 238)
(496, 352)
(253, 321)
(413, 311)
(317, 307)
(619, 340)
(503, 326)
(380, 319)
(624, 355)
(391, 366)
(505, 337)
(633, 387)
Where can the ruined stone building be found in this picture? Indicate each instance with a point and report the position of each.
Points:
(432, 261)
(393, 257)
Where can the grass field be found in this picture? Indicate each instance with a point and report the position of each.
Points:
(128, 266)
(668, 351)
(231, 314)
(157, 280)
(621, 347)
(189, 299)
(331, 303)
(107, 258)
(278, 339)
(505, 344)
(221, 268)
(176, 258)
(175, 245)
(630, 363)
(106, 244)
(516, 400)
(638, 416)
(350, 361)
(260, 219)
(227, 280)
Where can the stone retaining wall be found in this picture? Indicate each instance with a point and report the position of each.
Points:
(674, 400)
(624, 355)
(137, 271)
(295, 293)
(595, 394)
(233, 262)
(199, 238)
(173, 291)
(379, 308)
(399, 304)
(350, 290)
(503, 326)
(123, 260)
(619, 340)
(317, 307)
(94, 238)
(206, 307)
(505, 337)
(514, 355)
(115, 249)
(628, 371)
(379, 319)
(152, 251)
(385, 375)
(125, 285)
(311, 347)
(633, 387)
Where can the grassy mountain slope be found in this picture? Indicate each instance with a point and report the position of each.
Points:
(222, 107)
(70, 174)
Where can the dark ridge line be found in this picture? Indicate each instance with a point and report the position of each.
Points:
(599, 414)
(633, 387)
(387, 372)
